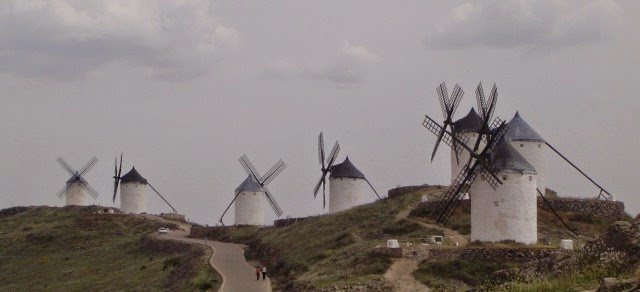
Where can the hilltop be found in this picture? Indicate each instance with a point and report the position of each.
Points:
(342, 250)
(81, 249)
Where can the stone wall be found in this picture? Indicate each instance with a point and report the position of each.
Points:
(507, 254)
(606, 210)
(399, 191)
(173, 216)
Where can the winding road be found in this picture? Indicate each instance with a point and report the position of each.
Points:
(227, 258)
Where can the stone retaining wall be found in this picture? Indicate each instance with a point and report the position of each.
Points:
(399, 191)
(607, 210)
(507, 254)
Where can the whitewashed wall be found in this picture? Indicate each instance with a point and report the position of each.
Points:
(534, 153)
(76, 195)
(345, 193)
(133, 197)
(249, 208)
(508, 213)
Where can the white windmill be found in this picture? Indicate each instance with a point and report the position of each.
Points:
(530, 145)
(251, 193)
(510, 211)
(347, 185)
(76, 187)
(133, 190)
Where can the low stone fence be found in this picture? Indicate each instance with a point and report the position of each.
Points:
(173, 216)
(494, 254)
(399, 191)
(606, 210)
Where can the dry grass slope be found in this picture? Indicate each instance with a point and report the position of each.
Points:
(73, 249)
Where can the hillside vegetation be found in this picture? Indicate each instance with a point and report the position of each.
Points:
(333, 248)
(76, 249)
(336, 249)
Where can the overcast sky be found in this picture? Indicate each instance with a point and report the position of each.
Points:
(185, 88)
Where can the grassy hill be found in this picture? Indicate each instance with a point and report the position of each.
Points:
(329, 249)
(76, 249)
(339, 248)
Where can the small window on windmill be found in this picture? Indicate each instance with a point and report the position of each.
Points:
(504, 177)
(496, 203)
(539, 145)
(521, 145)
(530, 178)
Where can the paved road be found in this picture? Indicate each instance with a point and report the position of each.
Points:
(228, 259)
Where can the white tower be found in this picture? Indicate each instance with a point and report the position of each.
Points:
(76, 194)
(530, 145)
(249, 204)
(510, 211)
(347, 186)
(468, 126)
(133, 192)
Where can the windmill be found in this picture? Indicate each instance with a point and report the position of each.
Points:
(479, 157)
(248, 199)
(76, 187)
(347, 184)
(133, 190)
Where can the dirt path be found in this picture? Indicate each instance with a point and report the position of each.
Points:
(400, 276)
(228, 259)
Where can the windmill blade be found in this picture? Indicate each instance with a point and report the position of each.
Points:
(443, 98)
(248, 167)
(92, 192)
(229, 206)
(65, 165)
(120, 170)
(493, 98)
(273, 203)
(458, 188)
(88, 165)
(333, 154)
(162, 197)
(482, 108)
(273, 172)
(456, 97)
(317, 187)
(321, 149)
(448, 139)
(116, 182)
(490, 177)
(62, 192)
(374, 190)
(324, 196)
(435, 147)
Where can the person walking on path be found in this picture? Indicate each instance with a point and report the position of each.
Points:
(264, 272)
(258, 272)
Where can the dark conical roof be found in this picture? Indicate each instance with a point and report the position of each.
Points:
(250, 185)
(133, 176)
(519, 130)
(346, 169)
(505, 157)
(76, 178)
(472, 122)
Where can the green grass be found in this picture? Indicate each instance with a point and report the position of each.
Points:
(329, 249)
(71, 248)
(471, 273)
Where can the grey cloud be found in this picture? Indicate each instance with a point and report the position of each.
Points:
(347, 67)
(526, 24)
(66, 39)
